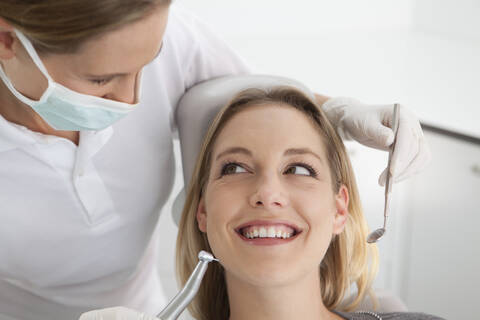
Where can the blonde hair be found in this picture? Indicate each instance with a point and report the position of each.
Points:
(349, 259)
(62, 26)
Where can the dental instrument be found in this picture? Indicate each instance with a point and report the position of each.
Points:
(377, 234)
(173, 310)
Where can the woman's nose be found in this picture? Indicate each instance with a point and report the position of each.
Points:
(268, 193)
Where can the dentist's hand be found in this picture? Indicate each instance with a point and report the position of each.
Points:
(117, 313)
(371, 125)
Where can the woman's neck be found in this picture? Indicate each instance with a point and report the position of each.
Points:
(13, 110)
(299, 300)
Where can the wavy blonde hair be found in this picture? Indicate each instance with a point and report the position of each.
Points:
(349, 259)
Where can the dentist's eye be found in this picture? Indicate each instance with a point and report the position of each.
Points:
(301, 169)
(232, 168)
(100, 82)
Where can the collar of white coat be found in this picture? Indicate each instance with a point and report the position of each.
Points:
(14, 136)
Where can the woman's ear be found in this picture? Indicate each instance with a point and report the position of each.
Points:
(202, 216)
(341, 203)
(7, 40)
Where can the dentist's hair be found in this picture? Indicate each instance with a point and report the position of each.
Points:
(349, 259)
(62, 26)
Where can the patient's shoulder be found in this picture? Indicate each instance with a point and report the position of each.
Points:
(387, 316)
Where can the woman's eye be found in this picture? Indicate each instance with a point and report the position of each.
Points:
(232, 168)
(300, 170)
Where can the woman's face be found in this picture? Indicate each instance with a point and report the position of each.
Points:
(106, 66)
(269, 210)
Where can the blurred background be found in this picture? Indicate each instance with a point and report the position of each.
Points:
(424, 54)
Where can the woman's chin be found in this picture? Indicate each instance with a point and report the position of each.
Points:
(264, 274)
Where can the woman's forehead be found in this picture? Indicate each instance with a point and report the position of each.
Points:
(270, 127)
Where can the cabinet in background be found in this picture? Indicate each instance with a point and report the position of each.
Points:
(430, 255)
(441, 231)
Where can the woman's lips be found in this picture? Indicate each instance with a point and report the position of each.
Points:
(261, 232)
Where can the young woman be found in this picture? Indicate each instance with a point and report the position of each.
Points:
(76, 224)
(273, 197)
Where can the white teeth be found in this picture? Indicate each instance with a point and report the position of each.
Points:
(271, 232)
(263, 232)
(267, 232)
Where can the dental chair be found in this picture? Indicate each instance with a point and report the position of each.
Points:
(197, 108)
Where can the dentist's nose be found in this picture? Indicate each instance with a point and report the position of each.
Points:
(268, 193)
(126, 90)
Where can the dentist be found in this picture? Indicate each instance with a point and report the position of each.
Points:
(86, 161)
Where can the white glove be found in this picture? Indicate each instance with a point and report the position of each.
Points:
(371, 125)
(116, 313)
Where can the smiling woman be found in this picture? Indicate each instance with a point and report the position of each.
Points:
(274, 197)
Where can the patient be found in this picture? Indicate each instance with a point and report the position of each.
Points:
(274, 198)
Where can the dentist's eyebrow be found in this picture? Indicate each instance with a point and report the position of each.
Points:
(301, 151)
(234, 150)
(113, 75)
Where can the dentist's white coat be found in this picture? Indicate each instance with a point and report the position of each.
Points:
(77, 227)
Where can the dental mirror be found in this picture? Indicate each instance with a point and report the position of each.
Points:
(377, 234)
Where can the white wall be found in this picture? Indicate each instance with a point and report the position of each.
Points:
(301, 17)
(454, 18)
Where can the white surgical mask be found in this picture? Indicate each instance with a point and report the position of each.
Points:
(65, 109)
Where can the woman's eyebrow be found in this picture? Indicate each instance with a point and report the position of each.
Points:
(295, 151)
(234, 150)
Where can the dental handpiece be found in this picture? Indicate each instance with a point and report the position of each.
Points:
(173, 310)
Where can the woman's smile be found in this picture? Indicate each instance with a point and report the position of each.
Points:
(268, 232)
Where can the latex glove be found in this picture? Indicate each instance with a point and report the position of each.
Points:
(116, 313)
(371, 125)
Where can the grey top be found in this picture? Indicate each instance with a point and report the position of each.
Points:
(368, 315)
